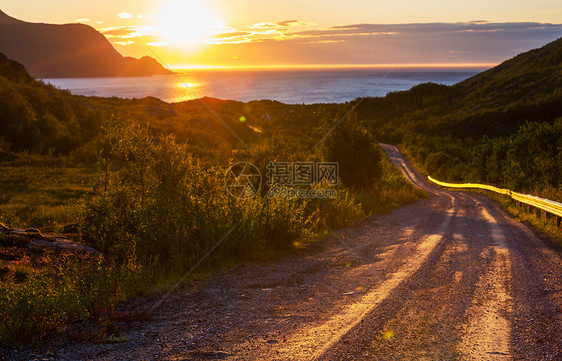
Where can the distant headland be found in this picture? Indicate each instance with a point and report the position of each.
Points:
(68, 51)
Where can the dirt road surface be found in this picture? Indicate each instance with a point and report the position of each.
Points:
(451, 277)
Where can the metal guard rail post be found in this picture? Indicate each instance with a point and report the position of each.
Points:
(546, 205)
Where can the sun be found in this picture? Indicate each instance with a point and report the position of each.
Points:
(186, 22)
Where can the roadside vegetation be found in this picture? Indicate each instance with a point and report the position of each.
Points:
(142, 182)
(545, 222)
(502, 127)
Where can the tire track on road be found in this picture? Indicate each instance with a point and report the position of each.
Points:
(312, 342)
(426, 325)
(487, 334)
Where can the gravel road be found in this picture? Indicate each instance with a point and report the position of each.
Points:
(452, 277)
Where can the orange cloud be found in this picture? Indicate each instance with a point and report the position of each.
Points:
(297, 42)
(125, 15)
(117, 32)
(280, 24)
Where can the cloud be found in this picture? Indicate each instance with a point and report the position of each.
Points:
(292, 30)
(233, 40)
(129, 32)
(291, 23)
(435, 43)
(280, 24)
(258, 32)
(125, 15)
(230, 37)
(233, 34)
(430, 28)
(118, 31)
(159, 43)
(125, 43)
(264, 25)
(83, 20)
(300, 42)
(320, 42)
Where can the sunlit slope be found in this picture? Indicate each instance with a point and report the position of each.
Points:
(69, 50)
(496, 102)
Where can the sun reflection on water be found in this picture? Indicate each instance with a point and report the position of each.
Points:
(186, 90)
(187, 85)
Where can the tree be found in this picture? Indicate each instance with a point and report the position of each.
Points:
(357, 152)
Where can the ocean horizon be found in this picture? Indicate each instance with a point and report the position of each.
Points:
(290, 86)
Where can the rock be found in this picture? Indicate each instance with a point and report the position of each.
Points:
(64, 244)
(33, 232)
(34, 240)
(4, 228)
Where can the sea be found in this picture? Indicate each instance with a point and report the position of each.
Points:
(294, 86)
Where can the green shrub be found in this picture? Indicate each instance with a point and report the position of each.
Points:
(29, 310)
(75, 287)
(157, 204)
(357, 152)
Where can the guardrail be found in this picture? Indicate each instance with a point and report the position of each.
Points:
(546, 205)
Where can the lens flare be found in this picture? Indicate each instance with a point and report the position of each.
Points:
(186, 22)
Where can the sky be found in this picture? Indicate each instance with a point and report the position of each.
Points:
(271, 33)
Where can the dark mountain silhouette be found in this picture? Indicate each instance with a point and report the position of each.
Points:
(535, 72)
(496, 102)
(38, 117)
(69, 50)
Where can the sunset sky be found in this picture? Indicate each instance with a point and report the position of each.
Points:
(188, 33)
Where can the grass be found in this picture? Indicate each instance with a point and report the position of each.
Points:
(541, 220)
(47, 193)
(41, 193)
(546, 223)
(70, 288)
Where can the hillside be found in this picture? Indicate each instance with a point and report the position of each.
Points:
(37, 117)
(524, 76)
(69, 50)
(496, 102)
(500, 127)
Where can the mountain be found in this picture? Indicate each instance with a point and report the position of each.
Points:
(495, 102)
(69, 50)
(39, 118)
(526, 75)
(501, 127)
(13, 71)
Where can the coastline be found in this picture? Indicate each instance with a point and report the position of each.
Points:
(289, 86)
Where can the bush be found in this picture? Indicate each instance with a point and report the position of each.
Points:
(77, 288)
(155, 204)
(357, 152)
(29, 310)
